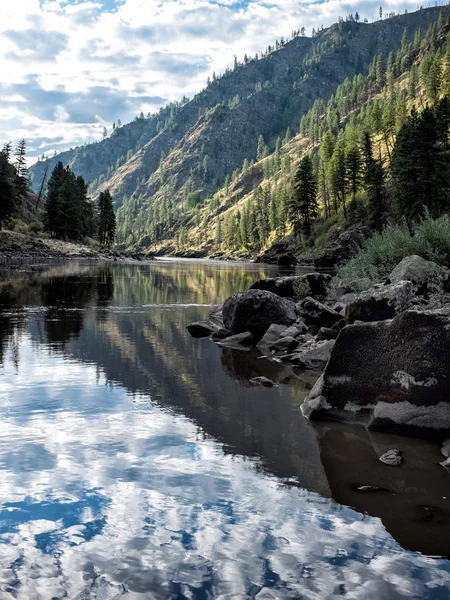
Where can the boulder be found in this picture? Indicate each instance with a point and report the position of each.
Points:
(315, 313)
(392, 458)
(380, 303)
(240, 341)
(272, 335)
(255, 311)
(200, 329)
(390, 375)
(315, 358)
(325, 333)
(294, 331)
(215, 314)
(221, 334)
(296, 286)
(284, 344)
(425, 275)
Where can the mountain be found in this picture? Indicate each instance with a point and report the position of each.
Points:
(162, 169)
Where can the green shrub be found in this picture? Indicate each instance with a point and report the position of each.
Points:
(301, 289)
(430, 240)
(36, 227)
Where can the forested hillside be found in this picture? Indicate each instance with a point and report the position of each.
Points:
(201, 169)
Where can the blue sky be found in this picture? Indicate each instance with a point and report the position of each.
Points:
(69, 68)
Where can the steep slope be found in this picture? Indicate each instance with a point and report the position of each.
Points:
(185, 154)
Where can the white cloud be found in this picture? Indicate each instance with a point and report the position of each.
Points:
(66, 54)
(161, 512)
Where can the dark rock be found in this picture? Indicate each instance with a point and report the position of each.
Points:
(381, 303)
(284, 344)
(215, 314)
(293, 331)
(221, 334)
(272, 335)
(445, 448)
(426, 276)
(264, 381)
(315, 359)
(392, 458)
(315, 313)
(301, 325)
(200, 329)
(346, 244)
(390, 375)
(240, 341)
(255, 311)
(339, 325)
(286, 260)
(296, 286)
(325, 333)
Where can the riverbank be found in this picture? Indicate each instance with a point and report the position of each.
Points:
(19, 246)
(382, 348)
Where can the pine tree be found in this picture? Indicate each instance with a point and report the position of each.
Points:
(303, 205)
(7, 188)
(21, 178)
(106, 219)
(261, 151)
(420, 167)
(374, 185)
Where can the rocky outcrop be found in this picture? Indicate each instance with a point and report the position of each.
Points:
(390, 375)
(342, 247)
(256, 311)
(296, 286)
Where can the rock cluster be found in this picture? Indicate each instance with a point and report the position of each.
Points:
(383, 351)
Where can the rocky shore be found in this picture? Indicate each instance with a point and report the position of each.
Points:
(383, 349)
(16, 246)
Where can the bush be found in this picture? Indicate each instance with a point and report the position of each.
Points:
(430, 240)
(36, 227)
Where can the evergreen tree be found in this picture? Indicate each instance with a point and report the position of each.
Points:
(68, 213)
(21, 177)
(7, 188)
(374, 185)
(303, 206)
(106, 219)
(420, 167)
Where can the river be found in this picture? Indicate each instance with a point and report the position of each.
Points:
(138, 463)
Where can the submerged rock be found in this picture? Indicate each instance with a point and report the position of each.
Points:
(200, 329)
(264, 381)
(390, 375)
(240, 341)
(392, 457)
(256, 311)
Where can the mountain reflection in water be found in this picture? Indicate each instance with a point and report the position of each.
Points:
(137, 462)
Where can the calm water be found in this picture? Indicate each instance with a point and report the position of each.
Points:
(136, 462)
